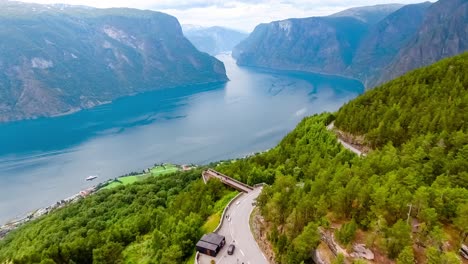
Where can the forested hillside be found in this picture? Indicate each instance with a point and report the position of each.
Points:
(428, 100)
(317, 183)
(158, 220)
(407, 200)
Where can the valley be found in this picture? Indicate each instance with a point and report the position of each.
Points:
(332, 134)
(133, 133)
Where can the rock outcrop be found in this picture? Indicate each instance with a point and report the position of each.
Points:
(360, 251)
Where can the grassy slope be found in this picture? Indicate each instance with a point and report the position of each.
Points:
(213, 221)
(155, 171)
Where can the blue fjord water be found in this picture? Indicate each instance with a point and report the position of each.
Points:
(45, 160)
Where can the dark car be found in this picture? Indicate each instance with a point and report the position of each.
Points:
(231, 249)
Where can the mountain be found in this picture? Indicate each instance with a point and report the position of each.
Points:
(361, 48)
(385, 40)
(319, 44)
(56, 59)
(427, 100)
(407, 200)
(444, 33)
(213, 40)
(369, 14)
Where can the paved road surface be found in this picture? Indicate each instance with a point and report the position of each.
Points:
(346, 145)
(236, 229)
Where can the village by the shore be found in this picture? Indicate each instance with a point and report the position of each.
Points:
(12, 225)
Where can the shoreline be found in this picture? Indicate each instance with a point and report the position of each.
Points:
(13, 224)
(35, 214)
(75, 110)
(301, 71)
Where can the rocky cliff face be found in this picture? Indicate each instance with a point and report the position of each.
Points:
(444, 33)
(384, 41)
(55, 59)
(319, 44)
(213, 40)
(356, 46)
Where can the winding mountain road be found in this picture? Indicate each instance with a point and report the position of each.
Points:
(236, 225)
(236, 229)
(330, 127)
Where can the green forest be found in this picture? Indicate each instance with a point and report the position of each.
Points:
(158, 220)
(406, 200)
(428, 100)
(417, 125)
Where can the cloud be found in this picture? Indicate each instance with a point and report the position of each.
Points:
(238, 14)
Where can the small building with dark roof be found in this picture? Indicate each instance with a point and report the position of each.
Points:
(211, 244)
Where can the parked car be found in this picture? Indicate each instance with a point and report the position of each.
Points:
(231, 248)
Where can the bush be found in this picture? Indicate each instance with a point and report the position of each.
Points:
(347, 232)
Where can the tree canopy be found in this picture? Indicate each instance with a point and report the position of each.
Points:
(160, 216)
(433, 99)
(417, 125)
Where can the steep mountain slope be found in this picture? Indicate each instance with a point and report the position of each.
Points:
(385, 40)
(444, 33)
(213, 40)
(369, 14)
(410, 37)
(406, 200)
(319, 44)
(56, 59)
(427, 100)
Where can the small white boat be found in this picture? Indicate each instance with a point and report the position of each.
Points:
(92, 177)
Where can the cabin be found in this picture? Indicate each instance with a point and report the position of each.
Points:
(211, 244)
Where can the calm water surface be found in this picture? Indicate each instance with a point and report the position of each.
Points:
(45, 160)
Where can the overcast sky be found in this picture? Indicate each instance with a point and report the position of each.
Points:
(239, 14)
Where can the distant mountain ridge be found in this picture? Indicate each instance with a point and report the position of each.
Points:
(444, 33)
(369, 14)
(56, 59)
(319, 44)
(384, 41)
(362, 46)
(213, 40)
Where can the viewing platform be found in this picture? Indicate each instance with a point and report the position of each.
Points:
(240, 186)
